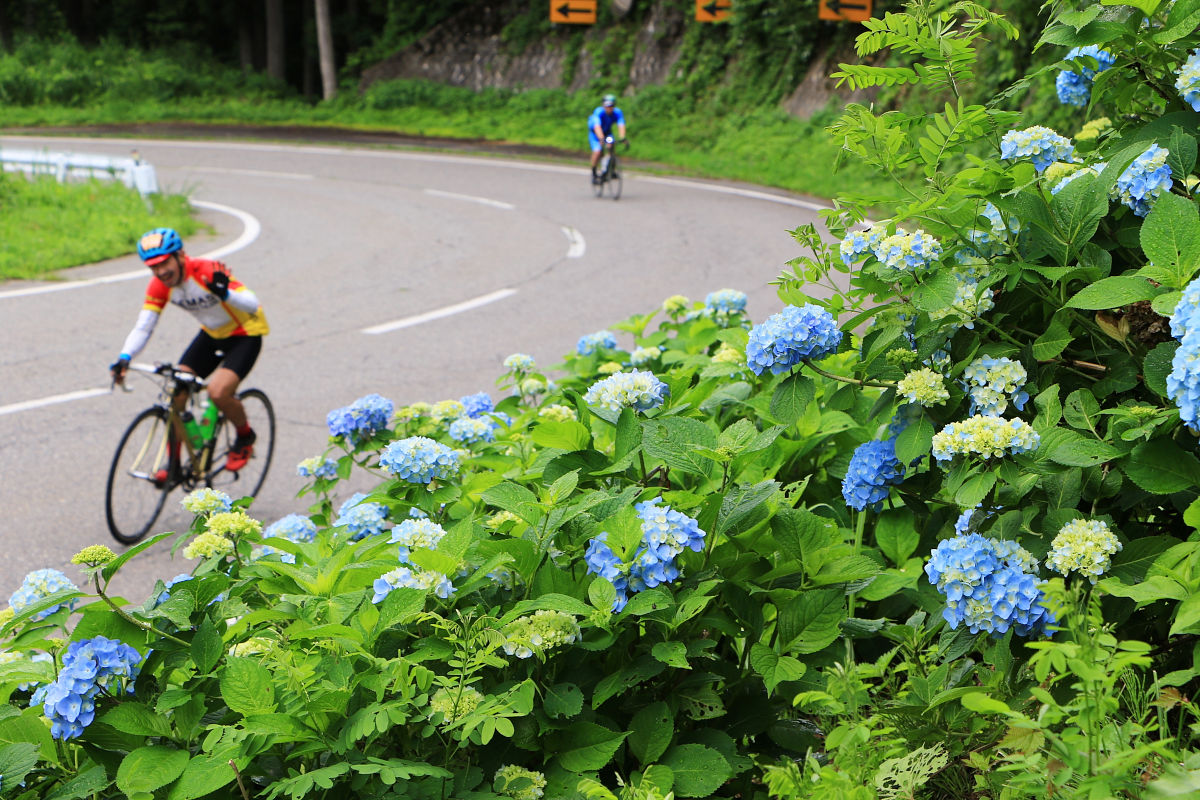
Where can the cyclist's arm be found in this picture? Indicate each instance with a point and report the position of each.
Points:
(239, 296)
(140, 334)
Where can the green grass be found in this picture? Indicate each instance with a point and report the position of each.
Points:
(46, 226)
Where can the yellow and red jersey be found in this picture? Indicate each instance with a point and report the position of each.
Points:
(239, 314)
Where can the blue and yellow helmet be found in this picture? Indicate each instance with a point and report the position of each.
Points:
(156, 245)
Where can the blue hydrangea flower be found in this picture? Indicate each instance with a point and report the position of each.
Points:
(293, 527)
(729, 301)
(858, 243)
(989, 586)
(592, 342)
(1144, 180)
(1039, 144)
(38, 585)
(1186, 315)
(1188, 80)
(908, 252)
(519, 362)
(361, 519)
(986, 437)
(638, 389)
(165, 595)
(644, 355)
(90, 667)
(1083, 546)
(317, 467)
(873, 468)
(665, 534)
(413, 534)
(793, 335)
(1075, 88)
(471, 430)
(477, 404)
(993, 383)
(360, 420)
(1183, 383)
(419, 459)
(403, 577)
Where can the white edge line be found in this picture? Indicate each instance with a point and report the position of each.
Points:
(52, 400)
(471, 199)
(438, 313)
(251, 228)
(578, 245)
(257, 173)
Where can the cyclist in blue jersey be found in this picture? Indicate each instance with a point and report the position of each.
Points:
(600, 125)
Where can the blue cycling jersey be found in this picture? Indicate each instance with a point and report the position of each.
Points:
(605, 121)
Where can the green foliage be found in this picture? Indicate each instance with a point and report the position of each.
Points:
(104, 220)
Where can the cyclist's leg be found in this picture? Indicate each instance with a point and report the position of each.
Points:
(597, 148)
(239, 354)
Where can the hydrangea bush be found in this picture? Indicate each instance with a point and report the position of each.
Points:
(926, 529)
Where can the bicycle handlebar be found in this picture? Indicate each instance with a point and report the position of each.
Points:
(169, 371)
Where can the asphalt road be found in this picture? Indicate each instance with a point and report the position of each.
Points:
(335, 240)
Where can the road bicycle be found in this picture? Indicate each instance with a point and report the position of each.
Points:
(606, 173)
(143, 471)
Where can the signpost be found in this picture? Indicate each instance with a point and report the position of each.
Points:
(844, 10)
(715, 10)
(573, 12)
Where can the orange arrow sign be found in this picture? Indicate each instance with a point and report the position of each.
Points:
(844, 10)
(573, 12)
(713, 10)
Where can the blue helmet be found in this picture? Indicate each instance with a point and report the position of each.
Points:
(157, 244)
(609, 100)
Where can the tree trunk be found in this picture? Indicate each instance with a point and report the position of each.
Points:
(6, 44)
(245, 29)
(325, 50)
(276, 66)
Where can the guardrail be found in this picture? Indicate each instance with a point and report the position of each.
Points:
(132, 171)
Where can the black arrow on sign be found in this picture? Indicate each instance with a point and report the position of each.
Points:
(565, 10)
(715, 6)
(836, 6)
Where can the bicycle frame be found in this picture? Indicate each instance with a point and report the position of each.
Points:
(174, 382)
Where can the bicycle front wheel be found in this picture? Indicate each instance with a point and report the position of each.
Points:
(246, 481)
(598, 184)
(614, 181)
(134, 497)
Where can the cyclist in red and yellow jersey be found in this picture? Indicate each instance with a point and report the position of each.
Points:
(231, 321)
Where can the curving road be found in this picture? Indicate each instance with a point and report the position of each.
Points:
(410, 274)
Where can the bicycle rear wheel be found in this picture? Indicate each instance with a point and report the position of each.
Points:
(133, 498)
(246, 481)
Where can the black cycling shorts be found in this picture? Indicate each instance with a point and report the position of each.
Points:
(237, 353)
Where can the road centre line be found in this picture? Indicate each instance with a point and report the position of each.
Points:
(28, 405)
(439, 313)
(578, 245)
(251, 228)
(439, 158)
(255, 173)
(470, 198)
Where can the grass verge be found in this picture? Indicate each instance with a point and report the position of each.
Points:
(46, 226)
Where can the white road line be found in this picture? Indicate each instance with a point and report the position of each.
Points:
(578, 245)
(251, 228)
(255, 173)
(28, 405)
(470, 198)
(438, 313)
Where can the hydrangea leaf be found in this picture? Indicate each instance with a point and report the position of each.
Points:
(516, 499)
(569, 435)
(810, 622)
(1053, 340)
(742, 507)
(1081, 452)
(1113, 292)
(974, 490)
(774, 668)
(1157, 366)
(791, 397)
(896, 535)
(1187, 617)
(672, 439)
(915, 440)
(651, 731)
(246, 687)
(1162, 467)
(1170, 236)
(1147, 7)
(699, 770)
(150, 768)
(673, 654)
(1181, 21)
(563, 700)
(1078, 209)
(1151, 590)
(586, 746)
